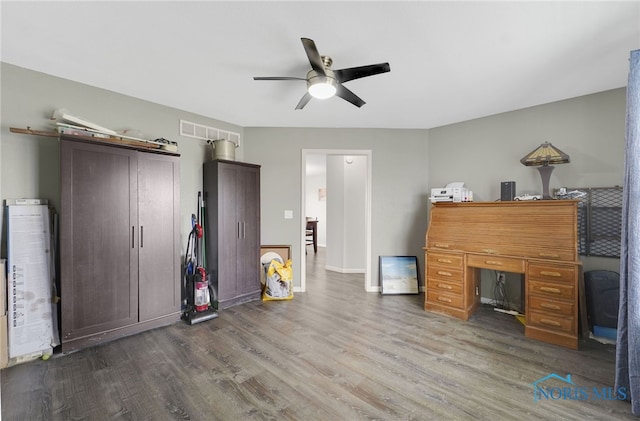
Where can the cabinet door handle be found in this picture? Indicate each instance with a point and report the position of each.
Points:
(552, 290)
(493, 262)
(548, 273)
(550, 322)
(550, 306)
(441, 260)
(244, 230)
(238, 229)
(443, 273)
(141, 236)
(445, 286)
(133, 235)
(444, 299)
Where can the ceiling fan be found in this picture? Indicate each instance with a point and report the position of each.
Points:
(323, 82)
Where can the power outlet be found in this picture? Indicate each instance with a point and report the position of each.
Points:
(501, 277)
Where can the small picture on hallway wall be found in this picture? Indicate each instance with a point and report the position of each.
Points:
(398, 275)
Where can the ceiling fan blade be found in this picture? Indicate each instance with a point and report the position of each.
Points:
(347, 95)
(303, 101)
(277, 78)
(345, 75)
(313, 55)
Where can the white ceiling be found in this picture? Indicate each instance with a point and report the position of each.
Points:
(450, 61)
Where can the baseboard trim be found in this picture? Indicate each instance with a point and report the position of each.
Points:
(343, 270)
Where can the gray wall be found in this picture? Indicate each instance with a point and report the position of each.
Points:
(355, 190)
(486, 151)
(336, 219)
(405, 163)
(346, 210)
(30, 164)
(399, 177)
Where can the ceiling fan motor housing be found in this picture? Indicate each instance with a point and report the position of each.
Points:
(321, 86)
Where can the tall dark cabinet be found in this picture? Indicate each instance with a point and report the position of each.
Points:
(232, 224)
(119, 241)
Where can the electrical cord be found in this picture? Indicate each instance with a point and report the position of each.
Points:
(500, 298)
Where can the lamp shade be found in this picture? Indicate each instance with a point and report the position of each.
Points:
(545, 154)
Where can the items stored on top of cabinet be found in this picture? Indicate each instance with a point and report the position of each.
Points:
(119, 240)
(73, 126)
(223, 149)
(232, 224)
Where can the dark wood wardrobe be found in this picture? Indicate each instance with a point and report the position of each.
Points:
(232, 226)
(119, 241)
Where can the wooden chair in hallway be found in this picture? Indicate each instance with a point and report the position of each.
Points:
(311, 234)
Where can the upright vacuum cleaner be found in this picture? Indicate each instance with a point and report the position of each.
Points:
(201, 297)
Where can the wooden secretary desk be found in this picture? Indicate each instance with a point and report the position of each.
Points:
(536, 238)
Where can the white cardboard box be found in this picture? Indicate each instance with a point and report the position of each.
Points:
(3, 287)
(4, 352)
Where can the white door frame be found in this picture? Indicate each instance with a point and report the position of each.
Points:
(367, 216)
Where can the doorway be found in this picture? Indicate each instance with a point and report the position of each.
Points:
(364, 215)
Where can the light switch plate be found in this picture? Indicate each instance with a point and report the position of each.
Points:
(288, 214)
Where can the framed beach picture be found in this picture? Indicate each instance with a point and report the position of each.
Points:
(399, 275)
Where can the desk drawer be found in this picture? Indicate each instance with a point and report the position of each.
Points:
(443, 286)
(551, 290)
(446, 299)
(444, 273)
(505, 264)
(453, 260)
(551, 321)
(552, 272)
(550, 306)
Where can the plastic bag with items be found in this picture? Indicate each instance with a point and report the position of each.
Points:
(279, 281)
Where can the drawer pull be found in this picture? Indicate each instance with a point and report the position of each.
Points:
(550, 289)
(443, 273)
(549, 254)
(550, 322)
(493, 262)
(490, 251)
(441, 246)
(444, 299)
(550, 306)
(553, 274)
(444, 286)
(441, 260)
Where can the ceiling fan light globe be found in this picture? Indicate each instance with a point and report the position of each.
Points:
(321, 86)
(322, 90)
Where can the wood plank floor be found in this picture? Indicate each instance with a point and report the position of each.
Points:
(332, 353)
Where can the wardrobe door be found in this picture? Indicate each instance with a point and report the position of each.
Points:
(98, 240)
(228, 231)
(248, 245)
(159, 235)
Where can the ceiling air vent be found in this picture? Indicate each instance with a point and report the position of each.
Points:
(199, 131)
